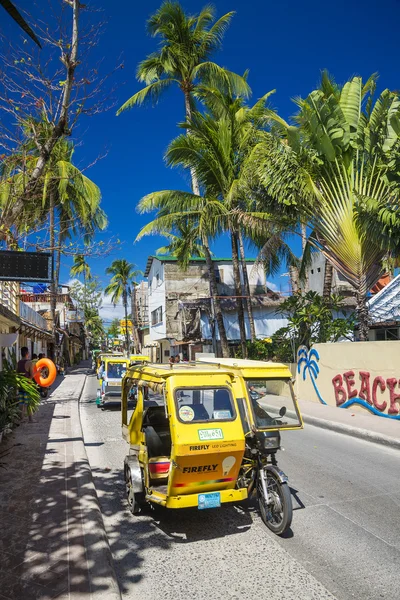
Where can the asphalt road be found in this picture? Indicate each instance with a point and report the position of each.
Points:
(345, 540)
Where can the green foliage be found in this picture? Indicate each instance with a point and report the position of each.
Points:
(311, 319)
(183, 58)
(88, 299)
(114, 330)
(10, 383)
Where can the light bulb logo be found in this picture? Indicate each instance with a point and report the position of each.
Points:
(227, 464)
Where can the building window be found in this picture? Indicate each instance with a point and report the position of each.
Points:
(386, 334)
(156, 316)
(157, 279)
(312, 271)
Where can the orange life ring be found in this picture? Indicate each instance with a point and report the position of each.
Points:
(50, 366)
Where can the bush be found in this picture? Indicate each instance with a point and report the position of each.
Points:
(10, 383)
(311, 319)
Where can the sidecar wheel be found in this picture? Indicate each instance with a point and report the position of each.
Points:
(136, 500)
(277, 515)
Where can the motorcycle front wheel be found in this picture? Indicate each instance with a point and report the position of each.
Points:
(277, 515)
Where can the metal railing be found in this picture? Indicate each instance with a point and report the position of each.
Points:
(31, 316)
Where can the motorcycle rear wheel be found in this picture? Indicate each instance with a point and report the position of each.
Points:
(277, 515)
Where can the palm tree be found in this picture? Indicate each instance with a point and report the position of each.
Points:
(215, 150)
(80, 267)
(66, 197)
(73, 204)
(341, 162)
(18, 18)
(123, 275)
(183, 59)
(184, 244)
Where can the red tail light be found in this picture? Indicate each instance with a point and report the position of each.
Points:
(159, 468)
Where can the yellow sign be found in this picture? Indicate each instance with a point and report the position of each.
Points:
(123, 322)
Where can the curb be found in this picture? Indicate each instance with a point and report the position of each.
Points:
(98, 552)
(363, 434)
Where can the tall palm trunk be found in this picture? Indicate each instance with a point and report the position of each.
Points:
(294, 278)
(125, 301)
(238, 293)
(58, 261)
(303, 247)
(362, 311)
(215, 299)
(53, 288)
(209, 262)
(328, 278)
(247, 287)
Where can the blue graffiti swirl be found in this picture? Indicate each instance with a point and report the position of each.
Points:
(372, 409)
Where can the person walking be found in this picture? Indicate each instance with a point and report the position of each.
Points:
(25, 368)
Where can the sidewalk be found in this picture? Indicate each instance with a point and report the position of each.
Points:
(350, 422)
(52, 538)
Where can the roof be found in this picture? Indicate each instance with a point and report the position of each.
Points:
(163, 371)
(226, 366)
(168, 258)
(255, 368)
(385, 305)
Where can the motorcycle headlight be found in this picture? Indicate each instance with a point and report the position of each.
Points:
(272, 442)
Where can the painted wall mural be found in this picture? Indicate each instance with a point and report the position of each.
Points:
(375, 389)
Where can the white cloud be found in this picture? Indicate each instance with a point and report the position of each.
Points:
(272, 286)
(108, 311)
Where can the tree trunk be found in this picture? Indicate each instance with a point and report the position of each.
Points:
(209, 262)
(328, 278)
(215, 300)
(125, 301)
(247, 288)
(238, 293)
(362, 312)
(53, 288)
(294, 279)
(303, 247)
(135, 334)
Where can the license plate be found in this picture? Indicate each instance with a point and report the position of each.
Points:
(114, 383)
(210, 434)
(212, 500)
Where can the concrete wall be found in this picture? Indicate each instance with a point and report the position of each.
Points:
(356, 375)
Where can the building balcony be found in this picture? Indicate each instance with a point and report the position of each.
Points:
(28, 315)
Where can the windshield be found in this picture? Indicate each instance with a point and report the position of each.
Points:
(204, 404)
(273, 403)
(116, 370)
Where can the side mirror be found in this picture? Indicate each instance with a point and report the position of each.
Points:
(282, 411)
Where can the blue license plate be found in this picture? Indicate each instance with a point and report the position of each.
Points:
(212, 500)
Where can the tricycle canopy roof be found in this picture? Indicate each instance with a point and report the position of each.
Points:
(251, 368)
(231, 367)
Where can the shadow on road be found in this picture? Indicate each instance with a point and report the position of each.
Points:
(157, 528)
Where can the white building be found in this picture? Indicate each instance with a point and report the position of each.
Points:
(180, 309)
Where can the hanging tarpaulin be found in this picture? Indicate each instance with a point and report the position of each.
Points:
(8, 339)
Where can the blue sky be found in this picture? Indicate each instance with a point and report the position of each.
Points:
(285, 44)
